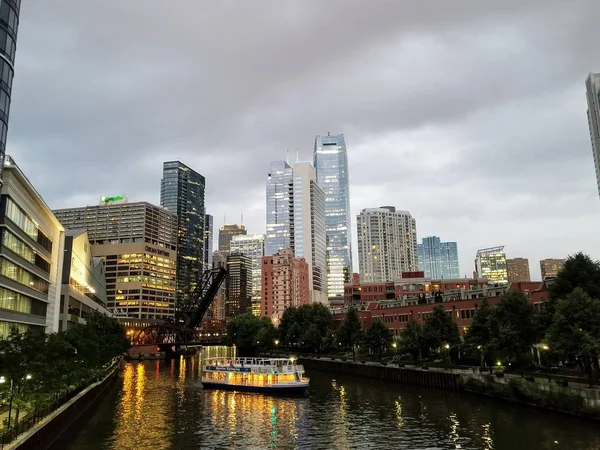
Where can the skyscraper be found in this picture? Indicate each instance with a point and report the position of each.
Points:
(9, 24)
(518, 270)
(438, 259)
(490, 263)
(182, 192)
(238, 285)
(279, 207)
(253, 246)
(208, 241)
(550, 267)
(592, 85)
(330, 159)
(226, 232)
(387, 244)
(295, 198)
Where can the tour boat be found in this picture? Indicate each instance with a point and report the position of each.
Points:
(254, 374)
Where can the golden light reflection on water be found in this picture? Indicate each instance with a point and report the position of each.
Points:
(399, 417)
(488, 442)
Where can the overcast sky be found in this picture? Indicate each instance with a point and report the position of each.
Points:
(470, 116)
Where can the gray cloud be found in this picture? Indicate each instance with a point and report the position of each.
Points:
(470, 114)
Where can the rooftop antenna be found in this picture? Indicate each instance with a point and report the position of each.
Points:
(328, 133)
(242, 219)
(297, 156)
(287, 157)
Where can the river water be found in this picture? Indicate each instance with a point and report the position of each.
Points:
(161, 405)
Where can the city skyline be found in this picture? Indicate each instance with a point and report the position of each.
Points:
(436, 139)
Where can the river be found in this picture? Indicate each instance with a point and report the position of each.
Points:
(161, 405)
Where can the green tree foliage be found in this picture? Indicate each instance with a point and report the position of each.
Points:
(575, 328)
(517, 329)
(411, 339)
(480, 339)
(439, 330)
(579, 271)
(250, 334)
(350, 332)
(378, 338)
(305, 327)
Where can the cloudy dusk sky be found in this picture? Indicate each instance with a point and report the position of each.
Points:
(469, 115)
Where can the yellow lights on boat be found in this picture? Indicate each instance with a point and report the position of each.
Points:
(293, 359)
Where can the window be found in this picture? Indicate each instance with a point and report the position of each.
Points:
(14, 301)
(16, 245)
(16, 215)
(22, 276)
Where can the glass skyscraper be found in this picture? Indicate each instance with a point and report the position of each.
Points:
(439, 260)
(592, 85)
(182, 192)
(279, 207)
(331, 163)
(208, 241)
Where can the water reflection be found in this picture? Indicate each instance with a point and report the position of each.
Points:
(161, 405)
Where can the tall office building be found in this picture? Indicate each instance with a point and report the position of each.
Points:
(139, 243)
(238, 285)
(9, 24)
(284, 283)
(217, 308)
(550, 267)
(279, 207)
(330, 159)
(518, 270)
(387, 244)
(208, 241)
(592, 84)
(253, 246)
(182, 192)
(226, 232)
(298, 201)
(31, 256)
(490, 263)
(439, 260)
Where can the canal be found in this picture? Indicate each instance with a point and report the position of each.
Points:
(161, 405)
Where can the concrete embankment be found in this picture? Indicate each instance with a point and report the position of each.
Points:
(52, 430)
(580, 401)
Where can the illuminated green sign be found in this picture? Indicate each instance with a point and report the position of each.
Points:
(112, 199)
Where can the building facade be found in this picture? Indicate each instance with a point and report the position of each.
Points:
(592, 85)
(83, 290)
(208, 241)
(238, 285)
(182, 193)
(280, 209)
(518, 270)
(330, 159)
(253, 246)
(438, 259)
(9, 25)
(387, 244)
(226, 233)
(550, 267)
(490, 263)
(138, 241)
(31, 256)
(284, 283)
(217, 308)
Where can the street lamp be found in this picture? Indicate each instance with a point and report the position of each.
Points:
(11, 393)
(276, 342)
(394, 345)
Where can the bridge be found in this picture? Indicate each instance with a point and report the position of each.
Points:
(185, 331)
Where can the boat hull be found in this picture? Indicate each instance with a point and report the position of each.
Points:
(285, 390)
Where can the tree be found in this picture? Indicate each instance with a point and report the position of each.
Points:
(250, 334)
(378, 338)
(579, 271)
(350, 332)
(411, 339)
(481, 335)
(440, 330)
(517, 329)
(575, 328)
(295, 325)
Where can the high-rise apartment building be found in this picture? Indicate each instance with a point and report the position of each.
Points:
(284, 283)
(387, 244)
(518, 270)
(226, 232)
(139, 243)
(490, 263)
(280, 209)
(252, 246)
(182, 192)
(592, 84)
(31, 256)
(217, 308)
(550, 267)
(437, 259)
(238, 285)
(9, 25)
(330, 159)
(298, 201)
(208, 241)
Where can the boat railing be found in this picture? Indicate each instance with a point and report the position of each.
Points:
(257, 365)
